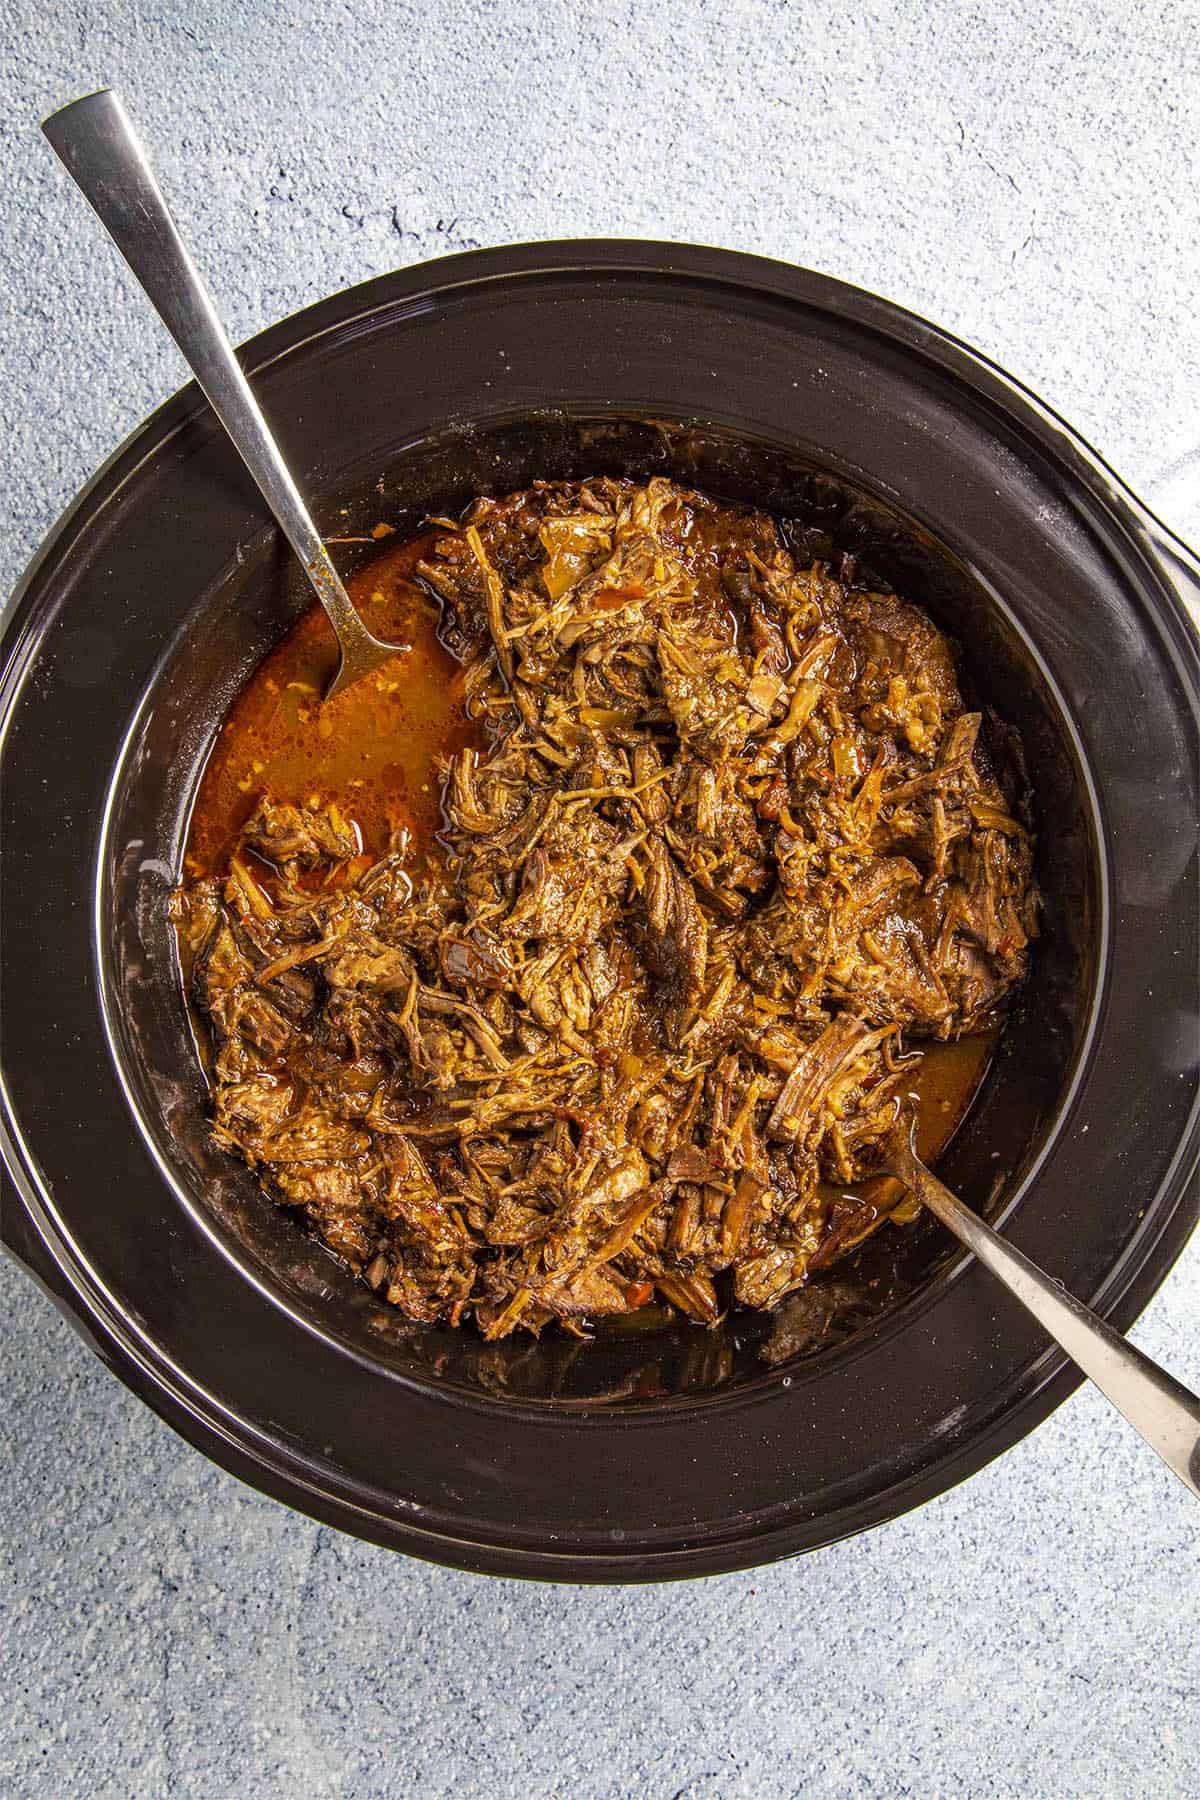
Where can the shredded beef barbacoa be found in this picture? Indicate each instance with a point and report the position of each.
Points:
(732, 845)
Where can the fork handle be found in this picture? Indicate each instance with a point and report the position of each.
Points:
(101, 151)
(1165, 1412)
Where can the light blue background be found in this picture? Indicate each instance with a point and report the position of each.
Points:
(1028, 176)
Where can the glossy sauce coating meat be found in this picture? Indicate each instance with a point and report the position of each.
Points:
(721, 851)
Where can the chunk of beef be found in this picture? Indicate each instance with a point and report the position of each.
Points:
(675, 935)
(300, 836)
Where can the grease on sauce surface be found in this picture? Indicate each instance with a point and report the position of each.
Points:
(372, 747)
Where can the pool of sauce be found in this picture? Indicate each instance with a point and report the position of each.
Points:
(372, 747)
(945, 1082)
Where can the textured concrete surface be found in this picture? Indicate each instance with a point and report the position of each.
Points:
(1027, 175)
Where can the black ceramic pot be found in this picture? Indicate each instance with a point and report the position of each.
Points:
(633, 1457)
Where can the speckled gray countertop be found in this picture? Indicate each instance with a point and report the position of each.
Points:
(1026, 175)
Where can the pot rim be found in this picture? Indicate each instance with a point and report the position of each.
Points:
(145, 1366)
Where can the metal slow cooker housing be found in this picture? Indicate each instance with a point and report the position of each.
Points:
(153, 600)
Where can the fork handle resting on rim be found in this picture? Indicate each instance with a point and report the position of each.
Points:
(1165, 1412)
